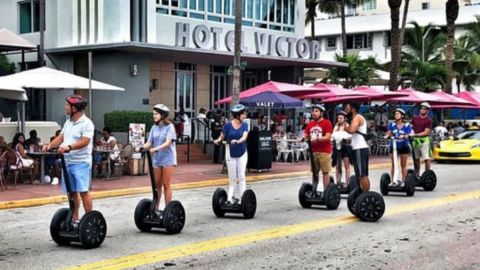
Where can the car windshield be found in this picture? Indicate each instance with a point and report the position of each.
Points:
(469, 135)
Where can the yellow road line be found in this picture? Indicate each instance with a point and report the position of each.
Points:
(268, 234)
(143, 190)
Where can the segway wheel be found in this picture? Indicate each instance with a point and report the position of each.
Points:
(429, 179)
(249, 203)
(332, 197)
(141, 211)
(56, 225)
(219, 198)
(174, 217)
(370, 206)
(302, 197)
(352, 183)
(410, 185)
(351, 199)
(92, 229)
(384, 182)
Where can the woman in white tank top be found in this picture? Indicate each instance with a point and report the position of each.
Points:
(358, 140)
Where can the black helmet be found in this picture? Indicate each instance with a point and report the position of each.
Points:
(77, 101)
(318, 106)
(162, 110)
(237, 110)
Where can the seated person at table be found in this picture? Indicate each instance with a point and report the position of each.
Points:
(53, 164)
(107, 142)
(32, 142)
(23, 160)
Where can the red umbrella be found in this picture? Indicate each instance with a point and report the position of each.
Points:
(415, 96)
(378, 94)
(284, 88)
(472, 97)
(456, 102)
(326, 91)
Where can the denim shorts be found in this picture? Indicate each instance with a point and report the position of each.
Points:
(79, 174)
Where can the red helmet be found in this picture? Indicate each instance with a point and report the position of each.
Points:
(77, 101)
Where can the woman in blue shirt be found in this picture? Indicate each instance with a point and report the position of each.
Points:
(235, 133)
(161, 143)
(400, 130)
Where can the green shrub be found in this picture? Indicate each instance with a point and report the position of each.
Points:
(118, 121)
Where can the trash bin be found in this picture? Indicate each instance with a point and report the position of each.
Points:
(259, 145)
(137, 164)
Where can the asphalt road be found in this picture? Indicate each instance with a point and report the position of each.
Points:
(432, 230)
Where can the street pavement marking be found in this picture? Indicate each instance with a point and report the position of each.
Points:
(150, 257)
(143, 190)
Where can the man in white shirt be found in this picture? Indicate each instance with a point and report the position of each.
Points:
(75, 142)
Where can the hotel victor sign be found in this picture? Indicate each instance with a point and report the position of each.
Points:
(212, 38)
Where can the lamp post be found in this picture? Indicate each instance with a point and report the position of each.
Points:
(423, 40)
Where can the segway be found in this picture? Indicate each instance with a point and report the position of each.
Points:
(307, 197)
(353, 182)
(91, 229)
(387, 184)
(368, 206)
(428, 179)
(220, 204)
(172, 218)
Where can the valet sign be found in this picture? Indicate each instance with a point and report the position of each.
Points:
(216, 38)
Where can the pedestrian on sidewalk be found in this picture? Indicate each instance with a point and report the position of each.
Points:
(342, 149)
(75, 142)
(161, 143)
(235, 133)
(319, 132)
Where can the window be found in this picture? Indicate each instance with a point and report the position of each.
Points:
(425, 5)
(370, 4)
(331, 43)
(185, 85)
(267, 14)
(29, 16)
(360, 41)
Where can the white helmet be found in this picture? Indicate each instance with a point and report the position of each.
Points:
(425, 104)
(162, 109)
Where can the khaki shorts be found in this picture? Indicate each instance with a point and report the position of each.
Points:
(323, 161)
(423, 151)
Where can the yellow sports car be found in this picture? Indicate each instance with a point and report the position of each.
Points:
(465, 147)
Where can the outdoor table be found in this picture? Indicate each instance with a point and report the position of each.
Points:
(108, 152)
(41, 155)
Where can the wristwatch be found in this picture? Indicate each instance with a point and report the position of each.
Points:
(70, 148)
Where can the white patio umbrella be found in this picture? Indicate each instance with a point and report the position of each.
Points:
(48, 78)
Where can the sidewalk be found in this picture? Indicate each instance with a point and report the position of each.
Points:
(187, 175)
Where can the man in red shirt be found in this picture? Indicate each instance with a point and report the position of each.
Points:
(422, 125)
(319, 131)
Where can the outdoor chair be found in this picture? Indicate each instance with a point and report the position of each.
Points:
(120, 164)
(18, 169)
(301, 148)
(283, 150)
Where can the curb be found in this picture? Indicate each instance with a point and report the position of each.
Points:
(141, 190)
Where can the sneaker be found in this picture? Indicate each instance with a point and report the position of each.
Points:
(159, 214)
(400, 184)
(235, 201)
(75, 224)
(55, 181)
(309, 194)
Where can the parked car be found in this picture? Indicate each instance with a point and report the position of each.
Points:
(465, 147)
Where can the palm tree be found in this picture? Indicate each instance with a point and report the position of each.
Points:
(310, 15)
(404, 20)
(451, 8)
(395, 43)
(415, 42)
(474, 34)
(237, 52)
(466, 62)
(426, 77)
(359, 71)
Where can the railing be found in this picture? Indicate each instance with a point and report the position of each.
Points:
(202, 133)
(182, 140)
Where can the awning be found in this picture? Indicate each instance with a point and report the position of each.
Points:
(9, 41)
(196, 56)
